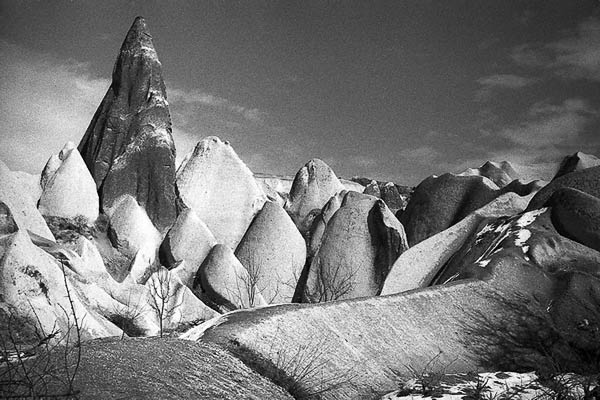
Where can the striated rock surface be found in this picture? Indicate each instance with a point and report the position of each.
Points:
(360, 243)
(188, 240)
(274, 251)
(586, 180)
(198, 371)
(68, 189)
(576, 162)
(224, 284)
(128, 145)
(219, 187)
(501, 173)
(314, 184)
(23, 207)
(418, 266)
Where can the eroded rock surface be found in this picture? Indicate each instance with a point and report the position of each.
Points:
(128, 146)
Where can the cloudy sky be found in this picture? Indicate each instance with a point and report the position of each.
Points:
(395, 90)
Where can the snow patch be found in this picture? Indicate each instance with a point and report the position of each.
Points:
(521, 237)
(529, 217)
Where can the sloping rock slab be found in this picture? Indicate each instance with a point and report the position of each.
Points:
(354, 348)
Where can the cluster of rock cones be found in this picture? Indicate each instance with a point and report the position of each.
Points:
(417, 274)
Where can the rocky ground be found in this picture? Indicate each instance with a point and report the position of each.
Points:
(207, 280)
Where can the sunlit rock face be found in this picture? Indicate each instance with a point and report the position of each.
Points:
(273, 251)
(214, 182)
(68, 189)
(314, 184)
(128, 145)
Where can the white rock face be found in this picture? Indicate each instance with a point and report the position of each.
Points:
(30, 184)
(21, 204)
(221, 190)
(68, 189)
(189, 240)
(133, 234)
(274, 251)
(31, 279)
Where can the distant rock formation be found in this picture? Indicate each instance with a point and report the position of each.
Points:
(313, 186)
(68, 189)
(586, 180)
(395, 196)
(360, 243)
(23, 207)
(274, 251)
(501, 173)
(188, 240)
(224, 284)
(576, 162)
(220, 188)
(128, 145)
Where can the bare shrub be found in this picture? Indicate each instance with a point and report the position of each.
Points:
(331, 284)
(35, 363)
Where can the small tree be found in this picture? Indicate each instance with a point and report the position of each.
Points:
(163, 297)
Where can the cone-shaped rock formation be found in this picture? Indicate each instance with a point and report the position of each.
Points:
(221, 189)
(128, 146)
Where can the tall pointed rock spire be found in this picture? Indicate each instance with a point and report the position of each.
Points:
(128, 146)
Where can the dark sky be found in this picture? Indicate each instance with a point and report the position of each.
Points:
(394, 90)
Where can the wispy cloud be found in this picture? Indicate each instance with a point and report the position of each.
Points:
(575, 56)
(197, 97)
(492, 83)
(551, 124)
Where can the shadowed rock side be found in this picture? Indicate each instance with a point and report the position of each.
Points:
(188, 240)
(23, 207)
(128, 145)
(219, 187)
(500, 173)
(360, 243)
(416, 267)
(576, 162)
(68, 189)
(440, 202)
(586, 180)
(273, 251)
(224, 284)
(576, 215)
(313, 186)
